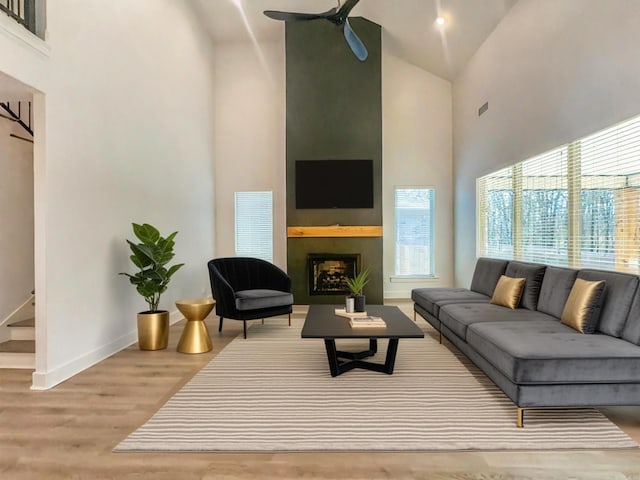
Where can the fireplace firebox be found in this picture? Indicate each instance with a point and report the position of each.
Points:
(328, 272)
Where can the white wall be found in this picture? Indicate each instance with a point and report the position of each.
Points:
(552, 72)
(249, 136)
(417, 151)
(123, 133)
(16, 219)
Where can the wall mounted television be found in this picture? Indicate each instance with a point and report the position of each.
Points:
(334, 184)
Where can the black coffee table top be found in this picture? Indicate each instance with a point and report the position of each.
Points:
(322, 322)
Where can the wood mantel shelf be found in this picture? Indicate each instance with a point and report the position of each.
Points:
(335, 231)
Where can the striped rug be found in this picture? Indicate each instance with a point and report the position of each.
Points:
(273, 392)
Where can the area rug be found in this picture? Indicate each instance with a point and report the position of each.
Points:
(273, 392)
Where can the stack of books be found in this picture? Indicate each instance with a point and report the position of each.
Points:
(367, 322)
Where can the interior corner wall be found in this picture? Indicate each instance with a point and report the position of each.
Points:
(123, 134)
(249, 136)
(417, 151)
(333, 111)
(551, 72)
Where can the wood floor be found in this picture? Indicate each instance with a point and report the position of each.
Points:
(69, 432)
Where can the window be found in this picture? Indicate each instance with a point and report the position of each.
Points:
(254, 225)
(414, 231)
(578, 205)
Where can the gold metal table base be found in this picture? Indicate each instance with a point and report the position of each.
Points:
(195, 336)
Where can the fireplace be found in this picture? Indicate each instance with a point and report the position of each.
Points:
(328, 271)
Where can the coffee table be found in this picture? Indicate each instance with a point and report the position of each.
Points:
(322, 322)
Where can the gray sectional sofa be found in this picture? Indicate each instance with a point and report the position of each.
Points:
(527, 352)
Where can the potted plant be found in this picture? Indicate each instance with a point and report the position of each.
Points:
(356, 285)
(151, 256)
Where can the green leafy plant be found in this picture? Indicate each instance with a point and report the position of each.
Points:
(357, 283)
(151, 256)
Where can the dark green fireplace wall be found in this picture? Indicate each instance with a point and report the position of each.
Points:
(334, 111)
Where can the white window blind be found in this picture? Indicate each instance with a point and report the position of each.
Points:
(495, 224)
(414, 210)
(577, 205)
(254, 225)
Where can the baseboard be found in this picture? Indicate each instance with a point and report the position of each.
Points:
(47, 380)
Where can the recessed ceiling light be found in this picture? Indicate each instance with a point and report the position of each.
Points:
(440, 21)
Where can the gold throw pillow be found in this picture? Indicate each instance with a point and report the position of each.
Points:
(582, 310)
(508, 292)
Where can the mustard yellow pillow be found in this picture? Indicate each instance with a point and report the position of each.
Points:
(582, 310)
(508, 291)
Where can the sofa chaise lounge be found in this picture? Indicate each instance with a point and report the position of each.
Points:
(528, 352)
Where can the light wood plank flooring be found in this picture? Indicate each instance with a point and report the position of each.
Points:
(68, 433)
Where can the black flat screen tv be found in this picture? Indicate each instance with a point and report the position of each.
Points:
(334, 184)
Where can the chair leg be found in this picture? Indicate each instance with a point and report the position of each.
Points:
(244, 324)
(289, 319)
(220, 326)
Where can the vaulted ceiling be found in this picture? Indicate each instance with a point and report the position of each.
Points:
(409, 25)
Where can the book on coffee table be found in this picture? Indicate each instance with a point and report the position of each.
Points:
(367, 322)
(343, 313)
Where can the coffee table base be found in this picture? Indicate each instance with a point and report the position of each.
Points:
(354, 359)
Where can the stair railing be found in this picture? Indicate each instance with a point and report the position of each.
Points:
(22, 11)
(19, 112)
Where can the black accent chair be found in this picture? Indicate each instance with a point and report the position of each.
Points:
(249, 289)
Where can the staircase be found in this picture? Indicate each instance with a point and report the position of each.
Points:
(18, 350)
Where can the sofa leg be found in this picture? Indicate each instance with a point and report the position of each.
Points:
(520, 413)
(289, 319)
(414, 315)
(244, 325)
(263, 321)
(439, 337)
(220, 326)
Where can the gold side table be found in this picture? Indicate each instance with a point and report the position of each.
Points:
(195, 336)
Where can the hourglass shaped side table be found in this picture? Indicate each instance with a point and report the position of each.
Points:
(195, 336)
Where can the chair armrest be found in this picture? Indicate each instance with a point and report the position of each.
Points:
(222, 291)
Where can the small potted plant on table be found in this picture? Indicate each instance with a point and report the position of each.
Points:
(356, 285)
(151, 256)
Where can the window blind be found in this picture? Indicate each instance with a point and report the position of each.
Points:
(577, 205)
(414, 210)
(254, 225)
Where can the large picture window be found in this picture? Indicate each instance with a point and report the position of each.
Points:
(414, 231)
(577, 205)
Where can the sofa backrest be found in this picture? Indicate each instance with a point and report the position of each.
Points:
(555, 289)
(533, 273)
(631, 331)
(487, 274)
(619, 292)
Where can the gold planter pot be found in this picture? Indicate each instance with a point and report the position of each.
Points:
(153, 330)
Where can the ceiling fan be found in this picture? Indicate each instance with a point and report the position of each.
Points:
(338, 16)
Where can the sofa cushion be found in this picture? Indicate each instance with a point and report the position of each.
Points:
(486, 275)
(547, 352)
(556, 285)
(262, 298)
(431, 299)
(533, 273)
(582, 310)
(508, 292)
(631, 332)
(618, 296)
(458, 317)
